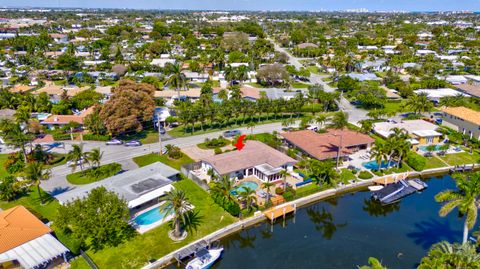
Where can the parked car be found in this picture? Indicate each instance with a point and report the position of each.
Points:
(133, 143)
(114, 142)
(231, 133)
(163, 131)
(72, 163)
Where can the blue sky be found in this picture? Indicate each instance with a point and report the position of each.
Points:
(407, 5)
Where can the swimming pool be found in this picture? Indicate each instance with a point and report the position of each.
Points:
(373, 165)
(148, 217)
(240, 188)
(424, 148)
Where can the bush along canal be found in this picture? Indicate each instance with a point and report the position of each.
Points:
(344, 231)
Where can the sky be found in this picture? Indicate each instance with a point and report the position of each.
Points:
(293, 5)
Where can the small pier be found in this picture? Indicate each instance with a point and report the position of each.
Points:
(280, 211)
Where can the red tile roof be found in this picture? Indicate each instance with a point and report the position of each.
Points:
(18, 226)
(254, 153)
(325, 146)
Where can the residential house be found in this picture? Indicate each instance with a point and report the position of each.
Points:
(435, 95)
(325, 146)
(162, 62)
(140, 187)
(463, 120)
(474, 80)
(376, 66)
(472, 90)
(255, 159)
(364, 77)
(456, 80)
(26, 242)
(58, 121)
(421, 132)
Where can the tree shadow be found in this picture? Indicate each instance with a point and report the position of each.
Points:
(244, 240)
(324, 222)
(432, 231)
(59, 190)
(375, 208)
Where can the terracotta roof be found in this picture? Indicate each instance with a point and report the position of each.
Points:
(21, 88)
(254, 153)
(65, 119)
(325, 146)
(464, 113)
(18, 226)
(469, 89)
(58, 90)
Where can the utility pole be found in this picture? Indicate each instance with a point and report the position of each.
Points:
(159, 135)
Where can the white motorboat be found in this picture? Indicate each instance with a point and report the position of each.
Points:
(205, 258)
(375, 188)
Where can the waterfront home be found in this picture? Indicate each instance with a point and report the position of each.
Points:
(254, 160)
(327, 145)
(26, 242)
(140, 187)
(463, 120)
(58, 121)
(421, 132)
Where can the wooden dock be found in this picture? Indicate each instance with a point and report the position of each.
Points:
(279, 211)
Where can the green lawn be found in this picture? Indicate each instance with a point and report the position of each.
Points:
(87, 177)
(155, 157)
(434, 162)
(31, 201)
(395, 106)
(346, 175)
(155, 243)
(299, 85)
(223, 143)
(147, 136)
(3, 159)
(461, 158)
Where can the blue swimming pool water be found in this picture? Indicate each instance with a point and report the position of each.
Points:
(424, 148)
(373, 165)
(148, 217)
(252, 185)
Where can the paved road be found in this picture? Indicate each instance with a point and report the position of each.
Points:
(121, 154)
(354, 114)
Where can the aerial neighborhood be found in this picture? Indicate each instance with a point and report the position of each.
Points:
(138, 138)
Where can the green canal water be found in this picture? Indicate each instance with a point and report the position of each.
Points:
(343, 232)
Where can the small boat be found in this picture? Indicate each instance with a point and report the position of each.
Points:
(375, 188)
(205, 258)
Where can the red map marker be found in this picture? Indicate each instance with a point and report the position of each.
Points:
(239, 145)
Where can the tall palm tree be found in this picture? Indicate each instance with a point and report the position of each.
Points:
(466, 199)
(419, 103)
(248, 195)
(14, 136)
(177, 79)
(251, 125)
(35, 173)
(177, 204)
(223, 188)
(378, 152)
(94, 157)
(77, 156)
(230, 74)
(284, 173)
(267, 186)
(321, 119)
(242, 73)
(339, 120)
(445, 255)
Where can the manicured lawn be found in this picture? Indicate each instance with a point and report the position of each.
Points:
(308, 189)
(88, 176)
(31, 201)
(3, 159)
(155, 157)
(299, 85)
(461, 158)
(155, 243)
(434, 162)
(148, 136)
(395, 106)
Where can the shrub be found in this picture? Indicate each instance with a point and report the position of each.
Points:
(61, 136)
(416, 161)
(288, 195)
(217, 151)
(278, 191)
(365, 175)
(233, 208)
(94, 137)
(215, 142)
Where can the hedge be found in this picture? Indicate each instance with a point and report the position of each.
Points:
(61, 136)
(95, 137)
(365, 175)
(416, 161)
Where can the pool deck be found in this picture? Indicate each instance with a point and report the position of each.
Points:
(145, 228)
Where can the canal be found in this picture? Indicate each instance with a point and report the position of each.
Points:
(343, 232)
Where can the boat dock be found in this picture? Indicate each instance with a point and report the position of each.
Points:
(279, 211)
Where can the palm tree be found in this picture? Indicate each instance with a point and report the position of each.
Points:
(339, 120)
(267, 186)
(77, 156)
(366, 126)
(465, 199)
(419, 103)
(177, 79)
(242, 73)
(35, 173)
(378, 152)
(95, 156)
(230, 75)
(373, 263)
(284, 173)
(176, 204)
(251, 125)
(321, 119)
(445, 255)
(223, 188)
(248, 195)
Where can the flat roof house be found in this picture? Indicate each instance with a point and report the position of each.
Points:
(463, 120)
(255, 159)
(435, 95)
(325, 146)
(421, 132)
(26, 242)
(138, 187)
